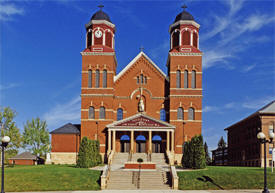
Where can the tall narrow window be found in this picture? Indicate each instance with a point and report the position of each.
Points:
(180, 113)
(162, 115)
(89, 78)
(175, 38)
(141, 79)
(119, 114)
(97, 78)
(104, 81)
(185, 79)
(137, 79)
(195, 40)
(193, 82)
(178, 79)
(91, 113)
(101, 113)
(89, 39)
(186, 38)
(145, 79)
(191, 113)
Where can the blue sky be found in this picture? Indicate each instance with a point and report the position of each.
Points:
(41, 41)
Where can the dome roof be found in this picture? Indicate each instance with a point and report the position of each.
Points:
(184, 16)
(100, 15)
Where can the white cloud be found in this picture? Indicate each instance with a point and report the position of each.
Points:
(9, 10)
(209, 109)
(63, 113)
(248, 68)
(257, 103)
(8, 86)
(231, 105)
(212, 57)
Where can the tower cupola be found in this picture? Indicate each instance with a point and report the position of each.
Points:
(184, 33)
(100, 32)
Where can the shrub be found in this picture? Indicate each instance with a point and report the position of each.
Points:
(88, 155)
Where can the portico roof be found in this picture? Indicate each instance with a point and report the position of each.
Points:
(141, 122)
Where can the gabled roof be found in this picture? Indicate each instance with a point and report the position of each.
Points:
(267, 109)
(141, 121)
(24, 155)
(134, 61)
(69, 128)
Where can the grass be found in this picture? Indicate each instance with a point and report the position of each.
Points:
(218, 177)
(50, 178)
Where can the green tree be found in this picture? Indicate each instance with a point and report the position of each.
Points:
(221, 143)
(9, 128)
(36, 137)
(187, 159)
(88, 155)
(207, 157)
(198, 152)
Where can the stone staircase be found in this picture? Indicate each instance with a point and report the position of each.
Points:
(128, 180)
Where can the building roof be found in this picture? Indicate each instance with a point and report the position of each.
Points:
(267, 109)
(25, 156)
(184, 15)
(101, 15)
(68, 128)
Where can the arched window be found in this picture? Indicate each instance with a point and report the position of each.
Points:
(104, 81)
(137, 79)
(186, 38)
(180, 113)
(145, 79)
(89, 39)
(195, 40)
(108, 39)
(193, 82)
(91, 113)
(178, 79)
(191, 113)
(141, 79)
(97, 78)
(175, 38)
(89, 78)
(162, 115)
(101, 113)
(119, 114)
(185, 79)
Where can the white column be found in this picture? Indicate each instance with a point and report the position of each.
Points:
(109, 141)
(191, 39)
(92, 36)
(103, 38)
(180, 38)
(132, 141)
(86, 39)
(168, 141)
(150, 141)
(171, 41)
(198, 41)
(114, 141)
(172, 141)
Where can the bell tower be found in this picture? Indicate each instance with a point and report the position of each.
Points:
(98, 71)
(185, 78)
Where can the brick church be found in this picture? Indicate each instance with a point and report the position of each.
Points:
(140, 109)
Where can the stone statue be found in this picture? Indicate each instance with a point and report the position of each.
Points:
(48, 159)
(141, 105)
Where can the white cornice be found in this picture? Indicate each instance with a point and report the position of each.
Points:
(99, 22)
(184, 22)
(97, 53)
(133, 61)
(184, 54)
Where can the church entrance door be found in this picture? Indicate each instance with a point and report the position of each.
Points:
(157, 144)
(125, 143)
(141, 144)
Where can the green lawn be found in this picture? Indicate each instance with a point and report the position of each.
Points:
(50, 177)
(215, 177)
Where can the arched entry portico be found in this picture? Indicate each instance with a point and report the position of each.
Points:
(124, 143)
(157, 146)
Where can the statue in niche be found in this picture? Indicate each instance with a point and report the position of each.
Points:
(141, 105)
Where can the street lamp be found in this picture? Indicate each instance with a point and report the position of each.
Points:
(262, 138)
(5, 141)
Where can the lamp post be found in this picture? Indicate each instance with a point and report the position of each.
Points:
(262, 138)
(5, 141)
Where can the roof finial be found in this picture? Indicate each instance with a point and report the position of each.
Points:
(184, 7)
(141, 48)
(100, 7)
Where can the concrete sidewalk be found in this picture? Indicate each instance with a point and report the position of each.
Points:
(162, 191)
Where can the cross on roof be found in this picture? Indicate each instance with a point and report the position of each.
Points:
(100, 7)
(184, 7)
(141, 48)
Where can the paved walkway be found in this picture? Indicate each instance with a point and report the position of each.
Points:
(163, 191)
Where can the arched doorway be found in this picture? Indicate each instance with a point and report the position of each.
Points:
(157, 145)
(124, 143)
(141, 144)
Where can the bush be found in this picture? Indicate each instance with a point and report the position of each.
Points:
(194, 154)
(88, 155)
